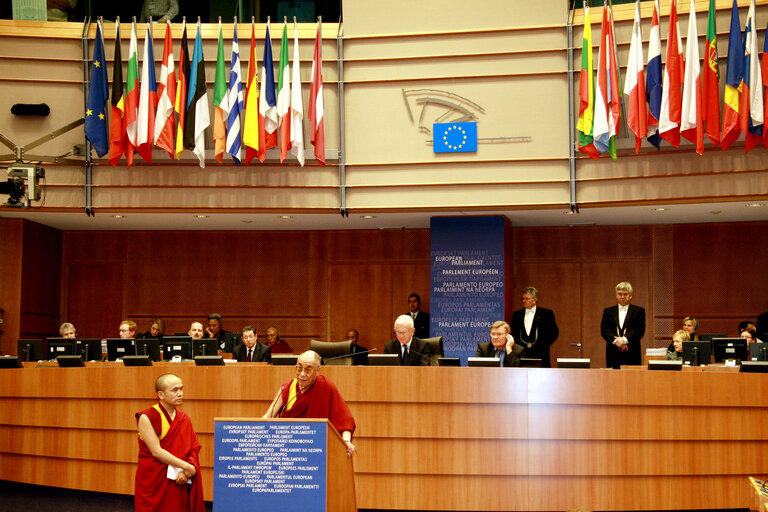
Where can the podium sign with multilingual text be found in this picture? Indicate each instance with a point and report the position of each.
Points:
(269, 466)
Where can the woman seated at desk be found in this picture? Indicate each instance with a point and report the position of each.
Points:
(691, 326)
(675, 353)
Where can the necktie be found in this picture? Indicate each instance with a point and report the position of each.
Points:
(405, 355)
(500, 355)
(249, 355)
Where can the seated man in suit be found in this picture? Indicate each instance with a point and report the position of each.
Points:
(360, 357)
(420, 318)
(412, 350)
(250, 350)
(502, 345)
(534, 327)
(622, 328)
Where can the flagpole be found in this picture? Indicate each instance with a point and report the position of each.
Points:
(618, 73)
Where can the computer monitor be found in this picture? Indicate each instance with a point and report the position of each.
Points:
(137, 360)
(61, 347)
(30, 349)
(148, 347)
(697, 353)
(205, 347)
(90, 349)
(758, 351)
(11, 362)
(284, 359)
(449, 361)
(70, 361)
(710, 336)
(119, 347)
(376, 359)
(573, 362)
(232, 339)
(177, 346)
(730, 348)
(484, 361)
(664, 364)
(754, 367)
(209, 361)
(530, 362)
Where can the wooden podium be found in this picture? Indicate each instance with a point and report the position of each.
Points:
(281, 465)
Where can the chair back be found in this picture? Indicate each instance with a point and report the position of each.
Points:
(436, 344)
(330, 349)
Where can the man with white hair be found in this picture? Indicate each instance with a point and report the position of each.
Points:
(622, 328)
(412, 351)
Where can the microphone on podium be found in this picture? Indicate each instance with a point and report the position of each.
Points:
(343, 356)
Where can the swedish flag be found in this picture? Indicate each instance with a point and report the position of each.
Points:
(454, 137)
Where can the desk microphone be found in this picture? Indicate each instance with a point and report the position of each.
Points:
(348, 355)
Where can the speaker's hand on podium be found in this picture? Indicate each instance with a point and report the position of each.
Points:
(350, 448)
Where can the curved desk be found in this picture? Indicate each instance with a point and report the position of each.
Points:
(434, 438)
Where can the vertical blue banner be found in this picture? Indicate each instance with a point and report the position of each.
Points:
(269, 466)
(467, 281)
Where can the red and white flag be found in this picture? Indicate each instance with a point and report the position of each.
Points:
(316, 127)
(691, 123)
(634, 86)
(165, 121)
(671, 99)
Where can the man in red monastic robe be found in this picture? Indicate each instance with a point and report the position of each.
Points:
(168, 474)
(310, 395)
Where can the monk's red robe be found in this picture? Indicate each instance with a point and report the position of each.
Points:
(154, 490)
(321, 400)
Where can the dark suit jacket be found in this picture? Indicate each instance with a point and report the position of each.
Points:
(223, 346)
(486, 349)
(418, 355)
(359, 359)
(544, 333)
(261, 353)
(762, 324)
(634, 330)
(421, 324)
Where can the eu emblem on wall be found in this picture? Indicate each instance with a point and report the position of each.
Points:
(454, 137)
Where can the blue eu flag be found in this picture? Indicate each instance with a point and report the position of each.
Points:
(454, 137)
(95, 111)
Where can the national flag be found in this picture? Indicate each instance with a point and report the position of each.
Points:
(166, 91)
(220, 102)
(251, 104)
(284, 96)
(316, 106)
(96, 106)
(198, 118)
(297, 105)
(674, 69)
(267, 101)
(653, 88)
(634, 86)
(606, 91)
(180, 105)
(765, 82)
(117, 113)
(131, 97)
(235, 101)
(587, 92)
(145, 129)
(691, 123)
(751, 111)
(734, 75)
(710, 83)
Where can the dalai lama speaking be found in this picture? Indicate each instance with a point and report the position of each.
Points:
(310, 395)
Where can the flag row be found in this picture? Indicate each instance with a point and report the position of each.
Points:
(173, 113)
(684, 100)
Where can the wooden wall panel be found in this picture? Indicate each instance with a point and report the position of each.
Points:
(40, 279)
(95, 299)
(11, 233)
(361, 298)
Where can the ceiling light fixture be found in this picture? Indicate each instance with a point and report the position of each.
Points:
(660, 209)
(285, 217)
(367, 216)
(754, 205)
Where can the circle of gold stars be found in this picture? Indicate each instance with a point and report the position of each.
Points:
(463, 134)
